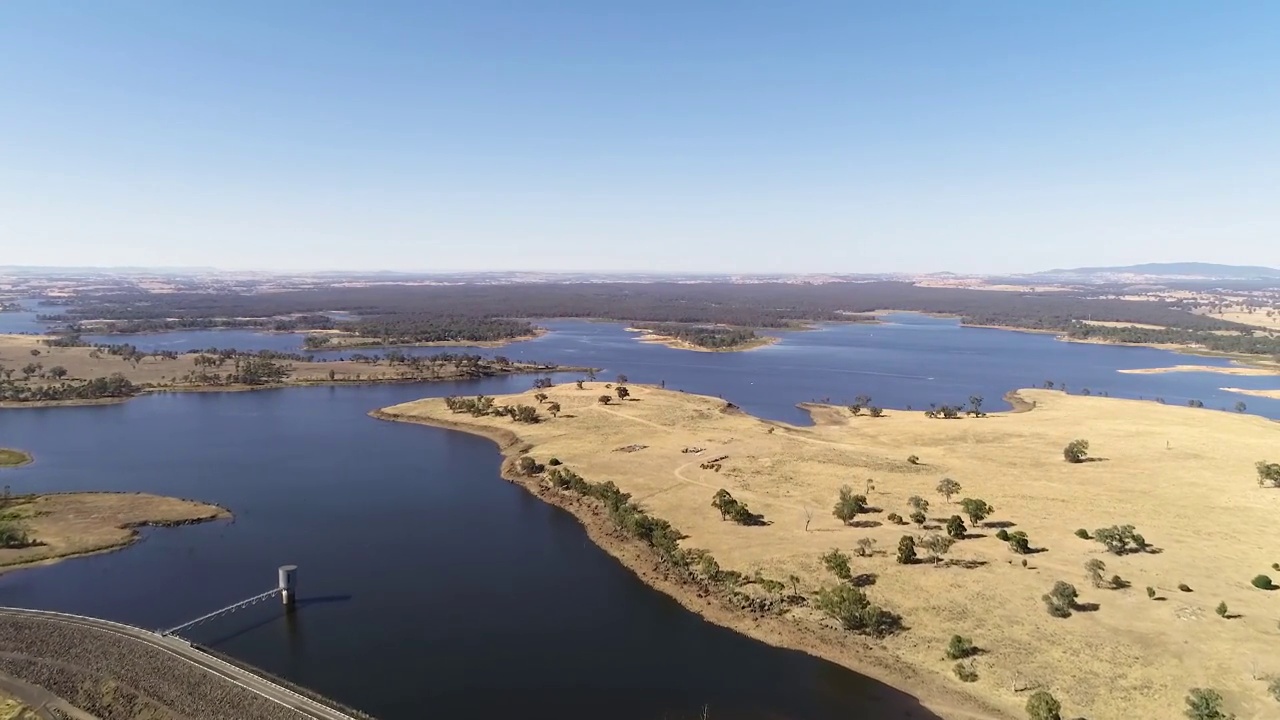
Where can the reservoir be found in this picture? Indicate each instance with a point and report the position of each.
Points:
(430, 587)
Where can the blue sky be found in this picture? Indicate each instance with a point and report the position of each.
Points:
(662, 135)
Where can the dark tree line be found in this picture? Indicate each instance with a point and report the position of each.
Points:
(424, 327)
(1250, 343)
(115, 385)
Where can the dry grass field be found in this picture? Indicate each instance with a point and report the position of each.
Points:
(1184, 477)
(68, 524)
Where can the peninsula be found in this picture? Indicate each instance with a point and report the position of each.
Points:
(50, 527)
(1154, 526)
(54, 370)
(702, 338)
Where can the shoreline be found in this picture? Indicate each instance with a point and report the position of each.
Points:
(374, 344)
(1271, 394)
(854, 653)
(1251, 371)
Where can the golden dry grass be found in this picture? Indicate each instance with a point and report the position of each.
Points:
(1184, 477)
(78, 523)
(12, 709)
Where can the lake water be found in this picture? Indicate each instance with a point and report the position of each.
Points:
(433, 588)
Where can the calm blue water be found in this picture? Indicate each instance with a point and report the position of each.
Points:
(433, 587)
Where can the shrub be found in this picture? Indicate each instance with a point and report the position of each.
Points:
(1043, 706)
(1019, 543)
(1076, 451)
(838, 564)
(1275, 566)
(918, 504)
(554, 462)
(895, 518)
(966, 673)
(906, 550)
(866, 547)
(1222, 609)
(1083, 534)
(955, 527)
(849, 505)
(913, 459)
(1184, 587)
(1151, 592)
(605, 399)
(1095, 568)
(918, 517)
(1118, 583)
(960, 648)
(1003, 535)
(1061, 599)
(1268, 472)
(1273, 688)
(1263, 582)
(1205, 704)
(855, 612)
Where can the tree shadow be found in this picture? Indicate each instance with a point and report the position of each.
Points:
(965, 564)
(1095, 459)
(1086, 607)
(972, 536)
(998, 524)
(864, 580)
(866, 524)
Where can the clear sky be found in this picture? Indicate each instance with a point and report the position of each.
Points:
(658, 135)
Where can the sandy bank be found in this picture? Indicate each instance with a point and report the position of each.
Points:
(1183, 476)
(677, 344)
(72, 524)
(1233, 370)
(1273, 394)
(14, 458)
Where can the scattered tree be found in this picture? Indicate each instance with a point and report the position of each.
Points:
(906, 550)
(554, 409)
(1019, 542)
(1002, 535)
(1061, 600)
(850, 606)
(1263, 582)
(1222, 609)
(1151, 593)
(918, 518)
(622, 392)
(955, 527)
(1043, 706)
(866, 547)
(540, 397)
(875, 411)
(977, 510)
(948, 487)
(1120, 539)
(1083, 534)
(579, 382)
(965, 672)
(57, 372)
(622, 379)
(1184, 587)
(1076, 451)
(848, 506)
(937, 545)
(895, 518)
(1240, 406)
(918, 504)
(913, 459)
(837, 563)
(605, 399)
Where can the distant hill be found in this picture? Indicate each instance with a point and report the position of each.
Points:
(1182, 269)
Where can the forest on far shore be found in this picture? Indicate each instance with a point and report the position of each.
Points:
(485, 311)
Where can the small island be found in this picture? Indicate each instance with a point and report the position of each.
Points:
(44, 528)
(1079, 527)
(702, 338)
(14, 458)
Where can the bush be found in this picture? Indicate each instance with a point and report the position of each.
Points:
(1061, 599)
(1095, 568)
(1043, 706)
(1268, 472)
(1274, 688)
(838, 564)
(977, 510)
(906, 550)
(554, 462)
(913, 459)
(955, 527)
(1083, 534)
(1184, 587)
(855, 612)
(1222, 609)
(1275, 566)
(604, 399)
(965, 673)
(960, 648)
(1151, 592)
(1262, 582)
(895, 518)
(1019, 542)
(1002, 535)
(1120, 539)
(1205, 704)
(1076, 451)
(918, 517)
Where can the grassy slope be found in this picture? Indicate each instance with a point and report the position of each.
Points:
(1183, 476)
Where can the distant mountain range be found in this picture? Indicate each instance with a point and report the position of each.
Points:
(1169, 270)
